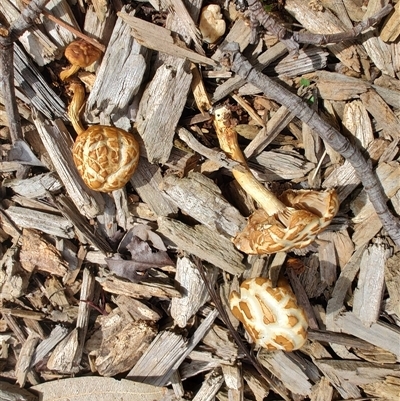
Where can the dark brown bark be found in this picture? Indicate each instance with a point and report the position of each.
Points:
(330, 135)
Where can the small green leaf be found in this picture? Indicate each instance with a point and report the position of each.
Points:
(305, 82)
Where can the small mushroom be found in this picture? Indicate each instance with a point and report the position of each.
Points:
(291, 221)
(212, 25)
(271, 316)
(106, 157)
(80, 54)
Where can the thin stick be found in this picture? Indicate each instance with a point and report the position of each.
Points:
(239, 64)
(258, 17)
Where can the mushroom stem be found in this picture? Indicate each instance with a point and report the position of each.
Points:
(76, 105)
(73, 69)
(227, 137)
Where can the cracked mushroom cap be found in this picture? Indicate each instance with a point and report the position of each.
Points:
(271, 316)
(106, 157)
(80, 54)
(307, 213)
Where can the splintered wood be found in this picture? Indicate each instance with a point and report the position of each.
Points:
(126, 295)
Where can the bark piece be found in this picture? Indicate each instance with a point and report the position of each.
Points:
(146, 181)
(201, 199)
(98, 389)
(160, 108)
(13, 279)
(370, 286)
(288, 370)
(119, 343)
(325, 23)
(191, 286)
(118, 79)
(162, 39)
(50, 224)
(391, 27)
(139, 290)
(39, 255)
(204, 243)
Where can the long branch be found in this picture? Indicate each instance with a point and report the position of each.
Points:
(242, 67)
(7, 39)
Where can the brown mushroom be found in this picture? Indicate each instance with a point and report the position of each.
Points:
(212, 25)
(106, 157)
(271, 316)
(291, 221)
(80, 54)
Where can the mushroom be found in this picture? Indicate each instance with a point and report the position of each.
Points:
(80, 54)
(291, 221)
(106, 157)
(212, 25)
(271, 316)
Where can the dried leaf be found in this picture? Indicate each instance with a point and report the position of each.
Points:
(142, 258)
(97, 389)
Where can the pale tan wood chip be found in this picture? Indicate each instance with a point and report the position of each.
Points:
(146, 181)
(193, 290)
(327, 254)
(161, 39)
(45, 346)
(136, 309)
(325, 22)
(200, 198)
(392, 281)
(233, 378)
(36, 43)
(370, 286)
(391, 27)
(322, 391)
(204, 243)
(45, 222)
(37, 254)
(382, 113)
(118, 79)
(34, 187)
(210, 386)
(59, 35)
(13, 279)
(388, 389)
(160, 108)
(379, 52)
(380, 334)
(92, 388)
(257, 384)
(25, 357)
(12, 392)
(286, 369)
(139, 290)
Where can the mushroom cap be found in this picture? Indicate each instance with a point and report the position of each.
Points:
(271, 316)
(81, 53)
(212, 25)
(106, 157)
(308, 212)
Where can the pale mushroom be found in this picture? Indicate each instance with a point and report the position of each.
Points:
(271, 316)
(291, 221)
(80, 54)
(106, 157)
(212, 25)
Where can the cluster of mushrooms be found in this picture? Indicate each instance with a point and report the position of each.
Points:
(106, 157)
